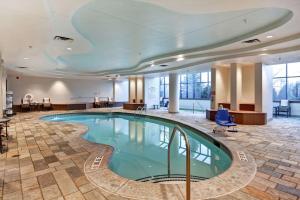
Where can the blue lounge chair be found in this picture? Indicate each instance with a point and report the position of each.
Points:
(223, 119)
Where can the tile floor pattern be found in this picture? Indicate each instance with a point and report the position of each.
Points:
(42, 163)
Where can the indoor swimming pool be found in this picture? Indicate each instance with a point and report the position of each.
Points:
(141, 145)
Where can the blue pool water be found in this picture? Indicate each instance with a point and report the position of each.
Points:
(141, 143)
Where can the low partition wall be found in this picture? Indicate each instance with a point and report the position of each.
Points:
(242, 117)
(73, 106)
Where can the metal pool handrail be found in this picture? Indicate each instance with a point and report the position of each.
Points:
(140, 108)
(188, 159)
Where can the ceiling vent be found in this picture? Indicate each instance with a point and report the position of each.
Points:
(252, 41)
(22, 67)
(63, 38)
(164, 65)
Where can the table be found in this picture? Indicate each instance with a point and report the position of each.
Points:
(5, 121)
(155, 107)
(276, 110)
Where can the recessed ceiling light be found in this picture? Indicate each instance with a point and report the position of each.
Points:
(180, 58)
(152, 65)
(26, 58)
(269, 36)
(263, 54)
(264, 49)
(69, 49)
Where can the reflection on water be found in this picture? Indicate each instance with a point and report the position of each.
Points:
(141, 146)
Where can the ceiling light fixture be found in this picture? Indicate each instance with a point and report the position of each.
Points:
(26, 58)
(269, 36)
(264, 49)
(180, 58)
(263, 54)
(69, 49)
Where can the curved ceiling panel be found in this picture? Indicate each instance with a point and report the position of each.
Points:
(123, 33)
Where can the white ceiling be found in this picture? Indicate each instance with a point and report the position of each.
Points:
(127, 36)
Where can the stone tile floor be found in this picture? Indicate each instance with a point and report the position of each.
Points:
(43, 163)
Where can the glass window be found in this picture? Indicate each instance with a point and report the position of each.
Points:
(198, 91)
(190, 91)
(166, 79)
(279, 70)
(286, 81)
(183, 91)
(293, 69)
(166, 91)
(164, 87)
(190, 78)
(183, 78)
(279, 89)
(294, 88)
(204, 77)
(192, 86)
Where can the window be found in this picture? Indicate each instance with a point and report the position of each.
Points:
(286, 81)
(164, 87)
(192, 86)
(195, 86)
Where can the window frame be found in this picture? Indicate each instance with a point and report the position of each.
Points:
(187, 84)
(286, 78)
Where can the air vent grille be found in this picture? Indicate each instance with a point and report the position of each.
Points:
(164, 65)
(252, 41)
(63, 38)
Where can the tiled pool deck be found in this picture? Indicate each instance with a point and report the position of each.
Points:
(46, 160)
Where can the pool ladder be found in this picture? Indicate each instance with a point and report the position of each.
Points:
(140, 109)
(188, 159)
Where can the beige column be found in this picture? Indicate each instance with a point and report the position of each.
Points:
(236, 86)
(174, 93)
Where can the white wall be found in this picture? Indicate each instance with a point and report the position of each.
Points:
(121, 91)
(267, 91)
(61, 91)
(2, 88)
(151, 91)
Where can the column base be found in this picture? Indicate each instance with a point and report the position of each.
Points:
(173, 112)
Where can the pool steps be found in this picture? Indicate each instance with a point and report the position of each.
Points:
(173, 177)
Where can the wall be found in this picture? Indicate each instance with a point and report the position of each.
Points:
(139, 89)
(152, 91)
(2, 88)
(121, 91)
(223, 84)
(132, 89)
(61, 91)
(136, 89)
(248, 84)
(267, 91)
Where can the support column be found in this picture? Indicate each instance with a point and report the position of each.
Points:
(2, 87)
(258, 74)
(173, 93)
(236, 86)
(213, 89)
